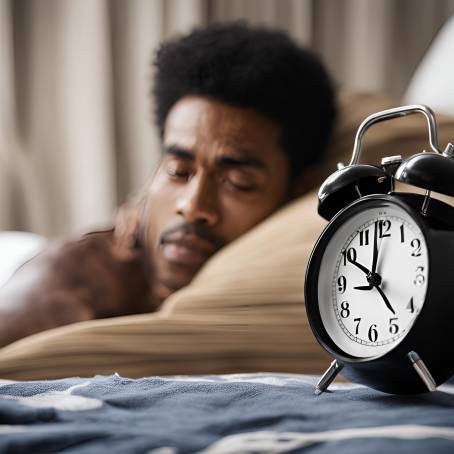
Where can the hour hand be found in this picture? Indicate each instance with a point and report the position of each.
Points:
(364, 287)
(361, 267)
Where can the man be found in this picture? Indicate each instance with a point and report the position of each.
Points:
(243, 114)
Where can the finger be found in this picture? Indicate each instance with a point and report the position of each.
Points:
(126, 230)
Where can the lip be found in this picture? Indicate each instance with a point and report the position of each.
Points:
(186, 249)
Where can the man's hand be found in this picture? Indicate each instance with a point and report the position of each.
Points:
(92, 277)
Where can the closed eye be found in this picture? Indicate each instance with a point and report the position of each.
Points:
(178, 170)
(239, 180)
(238, 187)
(178, 173)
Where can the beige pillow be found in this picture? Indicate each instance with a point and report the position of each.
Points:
(244, 312)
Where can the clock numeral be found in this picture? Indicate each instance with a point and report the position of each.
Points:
(349, 255)
(393, 327)
(383, 229)
(364, 237)
(357, 320)
(402, 234)
(373, 333)
(411, 306)
(345, 312)
(341, 284)
(416, 245)
(419, 278)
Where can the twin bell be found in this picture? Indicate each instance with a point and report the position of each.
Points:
(432, 171)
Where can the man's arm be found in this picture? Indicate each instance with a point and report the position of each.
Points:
(88, 278)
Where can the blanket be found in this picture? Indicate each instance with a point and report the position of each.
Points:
(243, 413)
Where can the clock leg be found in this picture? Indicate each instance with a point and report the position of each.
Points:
(425, 203)
(328, 377)
(422, 371)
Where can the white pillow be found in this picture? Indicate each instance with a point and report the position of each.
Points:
(432, 82)
(15, 249)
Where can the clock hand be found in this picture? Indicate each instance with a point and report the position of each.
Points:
(385, 299)
(361, 267)
(375, 252)
(364, 287)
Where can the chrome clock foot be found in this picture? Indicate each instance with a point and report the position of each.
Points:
(422, 371)
(328, 377)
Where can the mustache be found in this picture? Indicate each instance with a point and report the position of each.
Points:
(198, 230)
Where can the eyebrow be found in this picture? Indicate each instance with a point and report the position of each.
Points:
(179, 152)
(221, 161)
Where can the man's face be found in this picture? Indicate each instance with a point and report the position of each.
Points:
(223, 170)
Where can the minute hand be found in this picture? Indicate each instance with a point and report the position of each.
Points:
(375, 251)
(385, 299)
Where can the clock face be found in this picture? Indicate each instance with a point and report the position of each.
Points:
(373, 280)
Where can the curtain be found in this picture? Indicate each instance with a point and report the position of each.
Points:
(76, 133)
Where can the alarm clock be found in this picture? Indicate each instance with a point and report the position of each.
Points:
(380, 280)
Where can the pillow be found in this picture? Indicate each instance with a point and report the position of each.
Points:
(244, 311)
(431, 83)
(17, 247)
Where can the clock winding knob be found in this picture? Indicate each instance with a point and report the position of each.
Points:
(449, 151)
(391, 163)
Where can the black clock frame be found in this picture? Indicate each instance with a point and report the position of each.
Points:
(432, 333)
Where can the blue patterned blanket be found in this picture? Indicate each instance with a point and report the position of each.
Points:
(245, 413)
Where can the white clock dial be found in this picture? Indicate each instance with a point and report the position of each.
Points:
(366, 312)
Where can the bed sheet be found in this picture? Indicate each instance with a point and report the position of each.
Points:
(244, 413)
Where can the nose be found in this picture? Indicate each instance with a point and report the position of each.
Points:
(197, 202)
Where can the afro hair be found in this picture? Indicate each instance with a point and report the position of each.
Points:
(256, 68)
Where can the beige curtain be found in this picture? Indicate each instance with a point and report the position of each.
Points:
(75, 124)
(75, 134)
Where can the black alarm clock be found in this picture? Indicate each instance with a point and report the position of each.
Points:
(379, 286)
